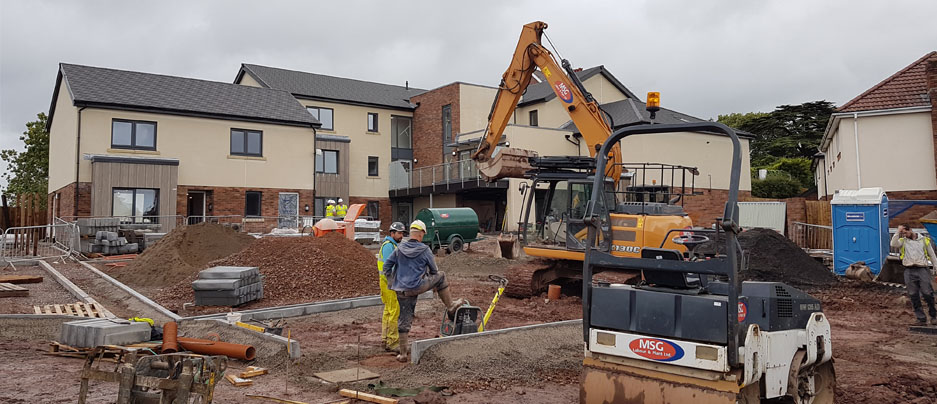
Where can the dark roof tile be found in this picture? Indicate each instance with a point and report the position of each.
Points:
(904, 89)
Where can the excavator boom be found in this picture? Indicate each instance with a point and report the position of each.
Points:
(582, 108)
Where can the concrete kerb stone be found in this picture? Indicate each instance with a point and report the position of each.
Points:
(417, 348)
(304, 309)
(162, 310)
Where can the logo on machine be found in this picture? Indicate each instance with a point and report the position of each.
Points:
(656, 349)
(444, 215)
(627, 248)
(563, 92)
(743, 311)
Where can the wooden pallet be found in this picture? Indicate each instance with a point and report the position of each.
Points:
(74, 309)
(11, 290)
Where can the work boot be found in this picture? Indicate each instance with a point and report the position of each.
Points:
(451, 306)
(404, 355)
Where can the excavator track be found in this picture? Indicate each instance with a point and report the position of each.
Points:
(524, 280)
(532, 278)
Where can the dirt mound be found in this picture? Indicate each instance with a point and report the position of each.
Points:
(774, 258)
(297, 270)
(180, 254)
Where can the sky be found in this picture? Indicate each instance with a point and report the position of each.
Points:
(705, 57)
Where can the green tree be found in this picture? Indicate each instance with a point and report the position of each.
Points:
(737, 120)
(788, 131)
(28, 171)
(775, 187)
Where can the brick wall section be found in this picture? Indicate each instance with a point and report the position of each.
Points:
(66, 204)
(931, 77)
(427, 123)
(911, 215)
(704, 209)
(231, 200)
(385, 209)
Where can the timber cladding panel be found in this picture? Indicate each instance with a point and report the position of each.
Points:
(334, 185)
(105, 176)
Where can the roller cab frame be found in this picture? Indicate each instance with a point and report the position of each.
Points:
(692, 331)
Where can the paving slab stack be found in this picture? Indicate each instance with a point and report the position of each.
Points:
(228, 286)
(109, 242)
(104, 331)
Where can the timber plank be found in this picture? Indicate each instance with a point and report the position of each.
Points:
(20, 279)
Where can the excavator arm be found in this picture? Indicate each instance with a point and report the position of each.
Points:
(582, 108)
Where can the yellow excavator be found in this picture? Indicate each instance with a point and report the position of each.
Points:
(560, 185)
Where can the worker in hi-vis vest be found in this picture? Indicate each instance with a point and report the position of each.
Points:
(341, 209)
(915, 251)
(390, 339)
(330, 209)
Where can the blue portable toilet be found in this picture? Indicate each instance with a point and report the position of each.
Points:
(860, 228)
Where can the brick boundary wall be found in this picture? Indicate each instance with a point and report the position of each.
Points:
(66, 203)
(911, 215)
(427, 123)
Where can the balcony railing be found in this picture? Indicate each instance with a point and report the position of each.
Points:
(436, 176)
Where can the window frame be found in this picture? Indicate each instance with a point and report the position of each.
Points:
(260, 200)
(247, 133)
(323, 127)
(133, 134)
(375, 127)
(446, 120)
(378, 210)
(133, 204)
(395, 132)
(533, 119)
(337, 161)
(377, 168)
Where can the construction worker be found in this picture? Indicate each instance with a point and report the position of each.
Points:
(341, 209)
(389, 336)
(412, 270)
(330, 209)
(915, 250)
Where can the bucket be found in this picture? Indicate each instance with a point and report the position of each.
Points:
(233, 317)
(553, 293)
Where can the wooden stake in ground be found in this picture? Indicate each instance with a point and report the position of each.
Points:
(289, 356)
(366, 397)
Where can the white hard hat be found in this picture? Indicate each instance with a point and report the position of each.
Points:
(418, 224)
(340, 200)
(331, 202)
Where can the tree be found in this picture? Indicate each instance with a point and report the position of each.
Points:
(788, 131)
(28, 171)
(736, 120)
(775, 187)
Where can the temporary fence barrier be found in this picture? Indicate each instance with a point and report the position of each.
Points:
(29, 243)
(811, 236)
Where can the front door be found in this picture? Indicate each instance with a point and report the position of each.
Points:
(402, 212)
(195, 210)
(288, 208)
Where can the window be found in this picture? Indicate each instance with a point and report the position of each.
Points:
(132, 204)
(327, 161)
(324, 115)
(372, 122)
(374, 210)
(247, 142)
(533, 118)
(134, 135)
(400, 132)
(372, 166)
(252, 203)
(446, 130)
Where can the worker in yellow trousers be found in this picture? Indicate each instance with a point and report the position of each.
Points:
(389, 337)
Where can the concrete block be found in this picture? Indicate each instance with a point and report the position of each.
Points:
(253, 288)
(100, 235)
(97, 248)
(121, 241)
(223, 284)
(128, 248)
(111, 236)
(229, 273)
(104, 331)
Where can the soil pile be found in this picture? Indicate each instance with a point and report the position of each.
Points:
(297, 270)
(774, 258)
(180, 254)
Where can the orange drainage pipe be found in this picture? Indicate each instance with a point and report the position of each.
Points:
(170, 344)
(209, 347)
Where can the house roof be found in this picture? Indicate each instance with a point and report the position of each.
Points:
(331, 88)
(122, 89)
(543, 91)
(906, 88)
(630, 112)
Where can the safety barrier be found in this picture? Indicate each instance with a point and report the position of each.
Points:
(30, 243)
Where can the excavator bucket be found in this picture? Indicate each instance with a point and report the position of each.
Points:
(508, 244)
(508, 163)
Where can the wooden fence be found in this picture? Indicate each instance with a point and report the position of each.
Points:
(27, 210)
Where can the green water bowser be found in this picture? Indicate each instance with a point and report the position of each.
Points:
(449, 228)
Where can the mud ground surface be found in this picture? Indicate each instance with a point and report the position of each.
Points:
(115, 299)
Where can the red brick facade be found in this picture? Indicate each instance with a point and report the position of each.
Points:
(427, 123)
(915, 212)
(223, 201)
(705, 208)
(385, 215)
(65, 206)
